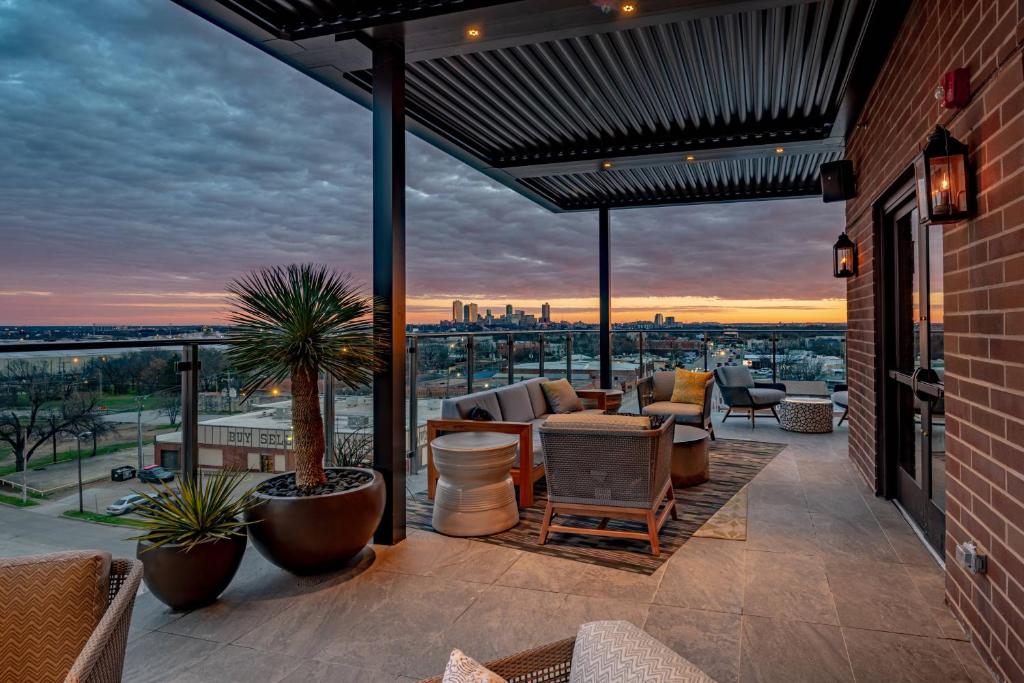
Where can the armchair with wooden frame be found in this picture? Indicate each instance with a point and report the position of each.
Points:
(742, 393)
(525, 403)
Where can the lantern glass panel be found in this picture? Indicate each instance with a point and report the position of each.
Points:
(947, 180)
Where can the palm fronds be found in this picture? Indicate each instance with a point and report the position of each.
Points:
(205, 507)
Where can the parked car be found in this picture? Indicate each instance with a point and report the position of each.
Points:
(125, 504)
(154, 474)
(122, 473)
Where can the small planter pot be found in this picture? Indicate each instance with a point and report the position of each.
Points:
(185, 580)
(316, 534)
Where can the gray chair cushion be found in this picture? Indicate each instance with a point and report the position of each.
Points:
(540, 403)
(664, 382)
(619, 652)
(767, 397)
(515, 403)
(685, 413)
(841, 398)
(735, 376)
(458, 408)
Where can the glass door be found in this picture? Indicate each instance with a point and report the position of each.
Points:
(915, 420)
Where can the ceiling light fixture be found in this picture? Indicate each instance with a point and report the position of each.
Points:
(474, 32)
(606, 165)
(628, 8)
(779, 150)
(690, 157)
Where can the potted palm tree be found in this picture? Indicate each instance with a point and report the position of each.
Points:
(294, 323)
(194, 539)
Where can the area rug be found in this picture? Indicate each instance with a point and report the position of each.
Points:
(734, 463)
(729, 523)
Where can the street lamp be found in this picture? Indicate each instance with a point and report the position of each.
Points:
(78, 438)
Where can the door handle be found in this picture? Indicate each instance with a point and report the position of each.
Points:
(924, 382)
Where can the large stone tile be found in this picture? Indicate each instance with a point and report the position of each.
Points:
(787, 493)
(777, 650)
(780, 528)
(892, 657)
(233, 664)
(546, 573)
(328, 672)
(972, 662)
(841, 500)
(879, 596)
(711, 640)
(706, 573)
(788, 586)
(855, 536)
(162, 657)
(909, 548)
(429, 554)
(150, 614)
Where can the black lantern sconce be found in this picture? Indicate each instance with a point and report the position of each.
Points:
(943, 182)
(844, 257)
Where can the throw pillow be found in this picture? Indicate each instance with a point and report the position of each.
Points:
(689, 386)
(464, 669)
(561, 396)
(619, 651)
(479, 414)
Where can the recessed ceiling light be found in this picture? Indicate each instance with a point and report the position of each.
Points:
(606, 165)
(474, 32)
(628, 8)
(690, 157)
(779, 150)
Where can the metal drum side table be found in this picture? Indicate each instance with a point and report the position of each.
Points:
(475, 494)
(805, 415)
(690, 459)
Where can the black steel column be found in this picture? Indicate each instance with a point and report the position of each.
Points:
(189, 368)
(389, 280)
(604, 269)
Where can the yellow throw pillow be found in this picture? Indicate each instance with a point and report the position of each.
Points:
(689, 386)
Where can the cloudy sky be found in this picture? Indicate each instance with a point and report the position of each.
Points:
(147, 157)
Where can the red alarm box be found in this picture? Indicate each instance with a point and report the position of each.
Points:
(956, 89)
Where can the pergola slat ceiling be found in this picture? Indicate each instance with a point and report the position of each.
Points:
(725, 88)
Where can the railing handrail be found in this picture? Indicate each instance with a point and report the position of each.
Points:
(33, 347)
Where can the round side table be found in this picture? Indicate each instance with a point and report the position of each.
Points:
(805, 415)
(690, 458)
(475, 494)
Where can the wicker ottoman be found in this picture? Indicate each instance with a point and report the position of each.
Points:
(689, 456)
(805, 415)
(475, 495)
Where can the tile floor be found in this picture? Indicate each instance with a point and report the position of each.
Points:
(831, 585)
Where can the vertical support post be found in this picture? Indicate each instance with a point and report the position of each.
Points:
(329, 426)
(604, 275)
(705, 352)
(774, 366)
(510, 346)
(640, 350)
(414, 436)
(568, 356)
(470, 361)
(389, 281)
(189, 368)
(540, 355)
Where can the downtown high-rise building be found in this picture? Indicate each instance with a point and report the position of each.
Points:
(508, 310)
(456, 311)
(471, 314)
(545, 312)
(659, 319)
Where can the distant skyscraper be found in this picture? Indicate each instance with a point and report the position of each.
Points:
(465, 313)
(508, 310)
(659, 319)
(471, 316)
(456, 310)
(670, 320)
(545, 313)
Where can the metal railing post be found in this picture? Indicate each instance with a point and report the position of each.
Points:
(470, 362)
(510, 349)
(640, 348)
(568, 357)
(414, 445)
(540, 355)
(774, 366)
(189, 369)
(705, 335)
(329, 427)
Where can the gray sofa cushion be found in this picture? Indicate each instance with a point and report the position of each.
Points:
(515, 403)
(664, 381)
(841, 398)
(735, 376)
(767, 396)
(458, 408)
(540, 403)
(619, 652)
(685, 413)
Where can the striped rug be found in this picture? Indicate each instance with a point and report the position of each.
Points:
(734, 463)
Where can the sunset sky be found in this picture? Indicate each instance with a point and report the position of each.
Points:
(148, 157)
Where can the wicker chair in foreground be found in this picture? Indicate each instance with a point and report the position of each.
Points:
(66, 616)
(551, 663)
(612, 467)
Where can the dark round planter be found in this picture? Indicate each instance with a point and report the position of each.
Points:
(316, 534)
(186, 580)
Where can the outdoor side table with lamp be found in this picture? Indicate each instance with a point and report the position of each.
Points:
(475, 494)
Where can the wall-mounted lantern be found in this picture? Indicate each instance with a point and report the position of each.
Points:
(844, 257)
(943, 183)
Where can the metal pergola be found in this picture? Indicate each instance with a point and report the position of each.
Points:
(578, 105)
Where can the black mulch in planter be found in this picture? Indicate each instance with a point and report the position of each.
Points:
(337, 480)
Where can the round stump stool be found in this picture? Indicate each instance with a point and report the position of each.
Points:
(690, 459)
(805, 415)
(475, 495)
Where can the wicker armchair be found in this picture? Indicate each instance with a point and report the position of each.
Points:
(47, 593)
(609, 468)
(551, 663)
(740, 392)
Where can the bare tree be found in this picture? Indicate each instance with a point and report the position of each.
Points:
(38, 405)
(170, 407)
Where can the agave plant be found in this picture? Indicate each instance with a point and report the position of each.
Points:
(296, 322)
(204, 508)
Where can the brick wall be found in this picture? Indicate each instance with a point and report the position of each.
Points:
(984, 295)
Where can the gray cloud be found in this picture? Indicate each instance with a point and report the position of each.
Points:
(144, 149)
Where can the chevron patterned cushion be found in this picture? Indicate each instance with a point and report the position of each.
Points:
(51, 605)
(619, 652)
(464, 669)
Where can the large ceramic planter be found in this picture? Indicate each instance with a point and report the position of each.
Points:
(315, 534)
(186, 580)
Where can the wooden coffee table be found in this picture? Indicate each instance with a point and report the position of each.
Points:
(475, 495)
(690, 458)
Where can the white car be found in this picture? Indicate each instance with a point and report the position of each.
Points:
(125, 504)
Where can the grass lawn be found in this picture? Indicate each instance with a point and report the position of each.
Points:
(99, 518)
(16, 501)
(41, 459)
